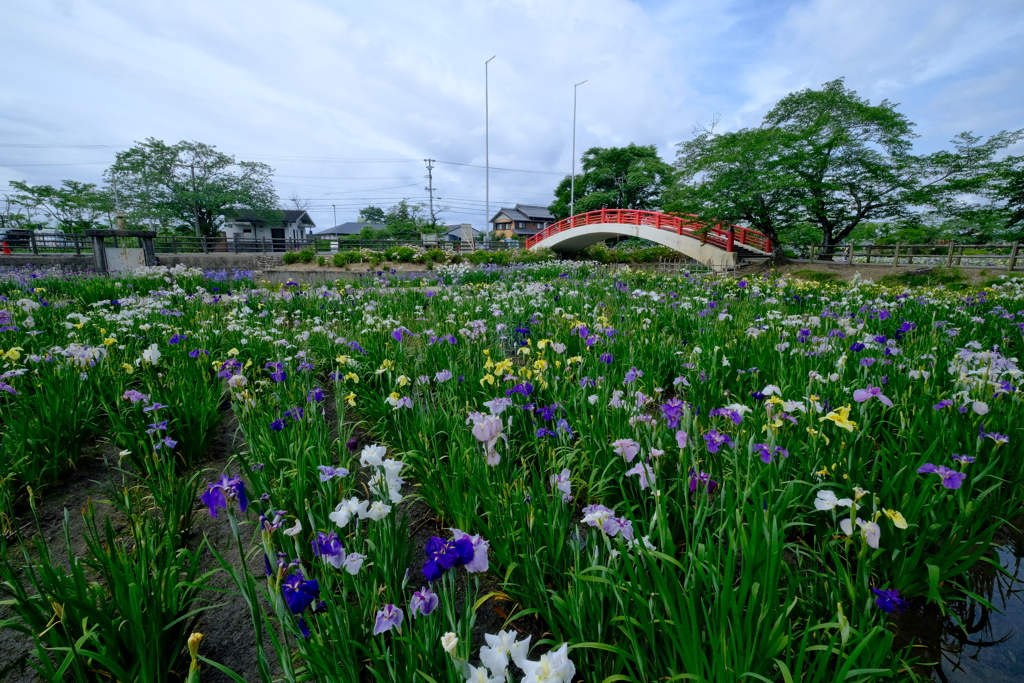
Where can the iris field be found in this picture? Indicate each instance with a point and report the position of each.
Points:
(635, 477)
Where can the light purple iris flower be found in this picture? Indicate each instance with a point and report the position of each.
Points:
(388, 618)
(424, 601)
(646, 473)
(951, 479)
(561, 483)
(627, 448)
(862, 395)
(328, 472)
(479, 563)
(681, 438)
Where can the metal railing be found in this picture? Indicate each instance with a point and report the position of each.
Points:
(722, 235)
(948, 254)
(181, 244)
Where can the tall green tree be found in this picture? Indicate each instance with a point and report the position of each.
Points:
(372, 214)
(189, 184)
(826, 158)
(631, 177)
(73, 206)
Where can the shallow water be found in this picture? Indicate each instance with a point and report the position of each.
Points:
(992, 648)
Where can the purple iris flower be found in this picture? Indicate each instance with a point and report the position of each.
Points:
(726, 412)
(304, 628)
(155, 406)
(443, 554)
(856, 346)
(951, 479)
(524, 388)
(352, 444)
(672, 409)
(995, 436)
(277, 425)
(226, 488)
(867, 362)
(400, 334)
(327, 472)
(606, 358)
(315, 396)
(702, 479)
(944, 403)
(388, 618)
(861, 395)
(328, 546)
(134, 396)
(767, 453)
(424, 601)
(542, 432)
(157, 427)
(965, 459)
(889, 601)
(195, 353)
(177, 339)
(299, 592)
(632, 375)
(716, 440)
(563, 426)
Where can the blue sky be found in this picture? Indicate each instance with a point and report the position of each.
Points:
(346, 99)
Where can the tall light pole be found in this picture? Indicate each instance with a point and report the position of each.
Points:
(487, 147)
(572, 182)
(335, 214)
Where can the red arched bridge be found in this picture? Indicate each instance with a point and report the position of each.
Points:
(714, 244)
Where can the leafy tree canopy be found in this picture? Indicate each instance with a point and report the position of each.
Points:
(631, 177)
(372, 214)
(73, 207)
(154, 182)
(828, 159)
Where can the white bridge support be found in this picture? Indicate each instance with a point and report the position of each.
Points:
(576, 239)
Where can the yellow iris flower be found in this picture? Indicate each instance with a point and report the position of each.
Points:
(841, 418)
(351, 399)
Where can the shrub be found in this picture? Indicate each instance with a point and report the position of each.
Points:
(321, 261)
(345, 257)
(290, 257)
(436, 256)
(306, 255)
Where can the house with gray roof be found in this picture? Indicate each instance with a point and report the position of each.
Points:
(349, 228)
(521, 221)
(279, 226)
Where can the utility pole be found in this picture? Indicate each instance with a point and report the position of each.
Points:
(572, 182)
(199, 232)
(430, 187)
(487, 147)
(118, 216)
(333, 206)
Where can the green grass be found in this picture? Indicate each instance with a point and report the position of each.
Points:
(815, 275)
(953, 278)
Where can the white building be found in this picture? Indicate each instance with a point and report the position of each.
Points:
(292, 225)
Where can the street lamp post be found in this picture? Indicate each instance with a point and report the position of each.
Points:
(487, 146)
(335, 214)
(572, 181)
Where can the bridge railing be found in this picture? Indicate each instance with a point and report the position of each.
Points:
(722, 235)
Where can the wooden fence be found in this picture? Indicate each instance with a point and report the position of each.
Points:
(950, 254)
(175, 244)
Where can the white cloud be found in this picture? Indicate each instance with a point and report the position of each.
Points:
(398, 80)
